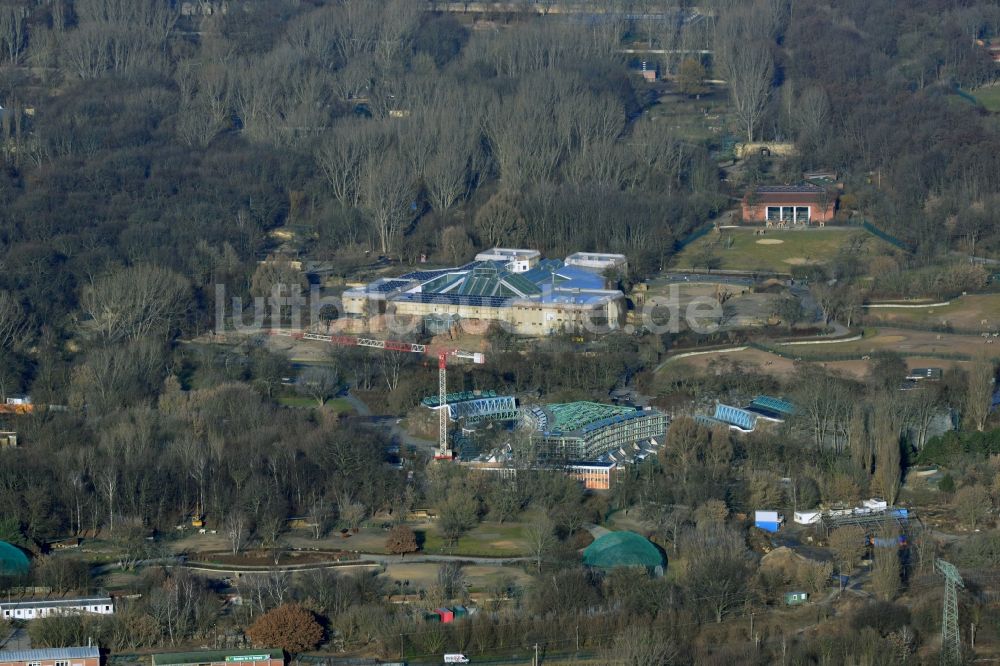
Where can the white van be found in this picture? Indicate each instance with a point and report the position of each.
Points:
(456, 658)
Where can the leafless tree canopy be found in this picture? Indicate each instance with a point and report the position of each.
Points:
(137, 302)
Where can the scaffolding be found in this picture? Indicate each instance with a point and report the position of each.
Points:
(872, 520)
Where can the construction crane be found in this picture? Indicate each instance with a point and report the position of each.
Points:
(951, 639)
(444, 451)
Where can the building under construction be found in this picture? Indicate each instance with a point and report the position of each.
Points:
(591, 431)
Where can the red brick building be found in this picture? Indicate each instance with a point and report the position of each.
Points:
(785, 205)
(71, 656)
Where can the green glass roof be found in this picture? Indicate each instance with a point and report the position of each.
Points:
(13, 562)
(569, 416)
(483, 279)
(777, 404)
(522, 284)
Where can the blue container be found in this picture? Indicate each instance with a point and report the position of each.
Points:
(768, 527)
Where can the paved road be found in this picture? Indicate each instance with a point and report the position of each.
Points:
(397, 435)
(597, 531)
(359, 406)
(366, 560)
(17, 639)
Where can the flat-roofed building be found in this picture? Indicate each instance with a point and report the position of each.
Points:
(784, 205)
(514, 260)
(70, 656)
(38, 608)
(598, 261)
(593, 475)
(918, 374)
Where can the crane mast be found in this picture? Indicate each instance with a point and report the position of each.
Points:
(444, 452)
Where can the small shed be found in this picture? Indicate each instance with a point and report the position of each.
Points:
(795, 598)
(875, 504)
(769, 521)
(808, 517)
(447, 615)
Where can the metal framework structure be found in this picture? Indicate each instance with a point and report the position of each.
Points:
(444, 452)
(735, 417)
(498, 408)
(904, 520)
(951, 639)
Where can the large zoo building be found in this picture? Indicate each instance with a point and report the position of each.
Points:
(515, 288)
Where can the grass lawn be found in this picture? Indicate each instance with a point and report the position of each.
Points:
(989, 97)
(486, 540)
(336, 405)
(779, 251)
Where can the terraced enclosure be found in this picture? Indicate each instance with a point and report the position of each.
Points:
(962, 313)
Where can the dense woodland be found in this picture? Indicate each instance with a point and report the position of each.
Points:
(148, 156)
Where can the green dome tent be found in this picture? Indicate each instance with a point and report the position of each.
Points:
(12, 561)
(624, 549)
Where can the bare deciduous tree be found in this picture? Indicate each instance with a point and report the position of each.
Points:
(812, 112)
(500, 221)
(742, 50)
(390, 363)
(886, 433)
(643, 646)
(236, 527)
(319, 383)
(540, 536)
(350, 511)
(886, 566)
(721, 567)
(979, 392)
(13, 32)
(386, 195)
(848, 545)
(136, 302)
(972, 505)
(13, 322)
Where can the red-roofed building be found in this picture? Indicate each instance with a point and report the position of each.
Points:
(785, 205)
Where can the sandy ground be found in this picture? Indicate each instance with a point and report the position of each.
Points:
(424, 574)
(367, 540)
(964, 312)
(781, 367)
(889, 339)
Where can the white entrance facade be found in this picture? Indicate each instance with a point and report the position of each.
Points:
(793, 214)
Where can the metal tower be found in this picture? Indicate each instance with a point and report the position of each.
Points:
(444, 452)
(951, 639)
